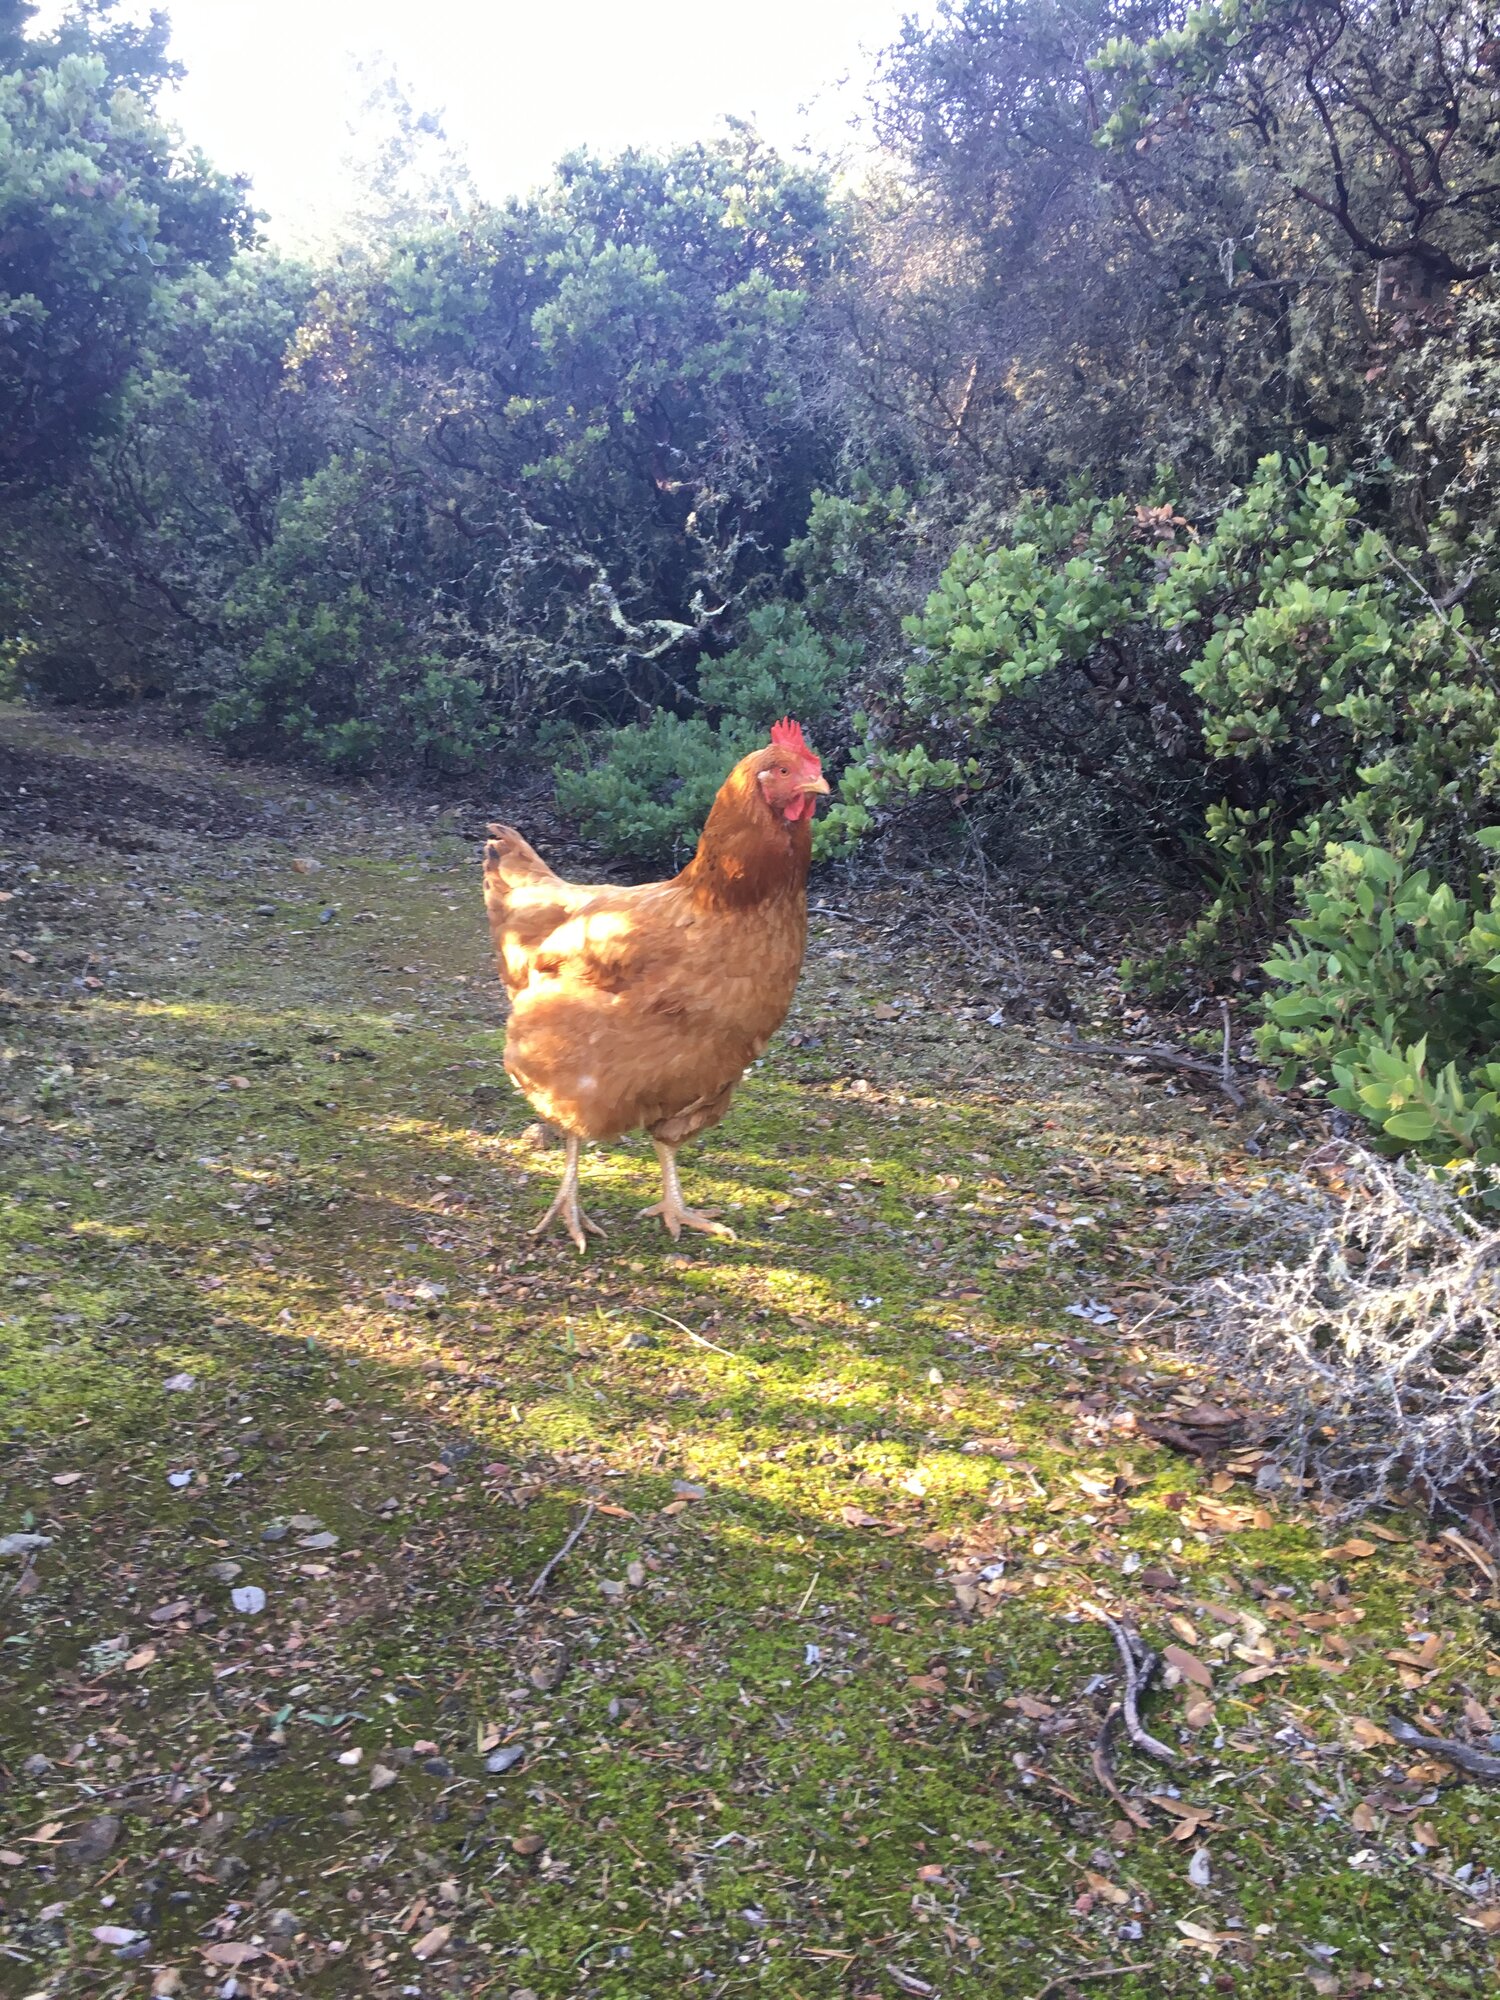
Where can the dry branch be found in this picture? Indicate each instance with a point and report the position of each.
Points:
(1153, 1053)
(1478, 1763)
(1139, 1663)
(540, 1583)
(1363, 1323)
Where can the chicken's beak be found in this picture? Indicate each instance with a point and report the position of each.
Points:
(814, 787)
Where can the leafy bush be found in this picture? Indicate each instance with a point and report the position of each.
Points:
(1279, 696)
(649, 791)
(1391, 986)
(783, 667)
(97, 207)
(1033, 655)
(568, 436)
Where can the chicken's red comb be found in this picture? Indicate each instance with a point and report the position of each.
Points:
(787, 735)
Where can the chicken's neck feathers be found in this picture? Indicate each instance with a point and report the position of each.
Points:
(746, 853)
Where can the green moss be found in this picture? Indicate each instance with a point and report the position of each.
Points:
(785, 1755)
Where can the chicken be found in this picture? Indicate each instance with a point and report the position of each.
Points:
(644, 1006)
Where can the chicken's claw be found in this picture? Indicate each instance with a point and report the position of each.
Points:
(673, 1210)
(567, 1208)
(676, 1217)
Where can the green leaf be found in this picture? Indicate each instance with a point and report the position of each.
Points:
(1415, 1124)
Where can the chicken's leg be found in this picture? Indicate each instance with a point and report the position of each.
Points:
(675, 1214)
(567, 1206)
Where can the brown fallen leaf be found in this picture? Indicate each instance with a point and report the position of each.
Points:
(140, 1659)
(1183, 1809)
(1188, 1665)
(1428, 1771)
(1212, 1942)
(1210, 1417)
(1253, 1674)
(1369, 1735)
(1475, 1554)
(1354, 1547)
(430, 1945)
(1102, 1886)
(233, 1955)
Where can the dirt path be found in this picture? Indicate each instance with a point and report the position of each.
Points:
(806, 1709)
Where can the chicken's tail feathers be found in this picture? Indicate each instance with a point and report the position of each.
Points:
(511, 862)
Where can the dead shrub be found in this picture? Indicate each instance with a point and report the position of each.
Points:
(1358, 1305)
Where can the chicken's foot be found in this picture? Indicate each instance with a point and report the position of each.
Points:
(566, 1206)
(674, 1212)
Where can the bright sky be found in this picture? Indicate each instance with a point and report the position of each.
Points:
(269, 87)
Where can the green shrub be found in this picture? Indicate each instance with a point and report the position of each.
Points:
(649, 794)
(1390, 985)
(1298, 711)
(450, 719)
(782, 668)
(649, 791)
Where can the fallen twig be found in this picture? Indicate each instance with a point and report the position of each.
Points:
(1478, 1763)
(1153, 1052)
(1061, 1979)
(701, 1339)
(1473, 1551)
(909, 1982)
(1035, 1771)
(1104, 1772)
(1140, 1663)
(541, 1582)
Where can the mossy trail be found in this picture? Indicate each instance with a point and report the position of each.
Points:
(807, 1708)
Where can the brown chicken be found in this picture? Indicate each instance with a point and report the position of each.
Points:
(644, 1006)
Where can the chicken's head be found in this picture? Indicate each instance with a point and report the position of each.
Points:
(790, 775)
